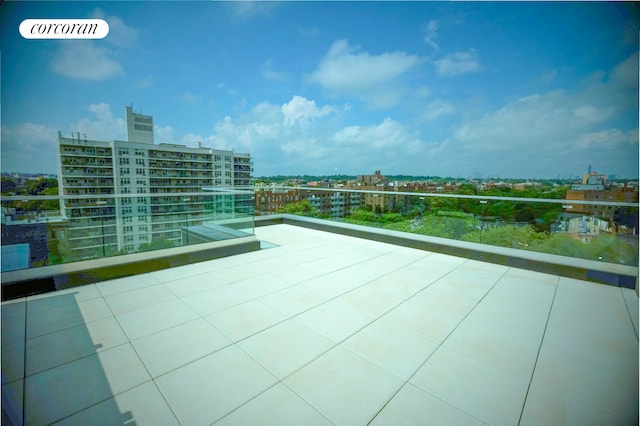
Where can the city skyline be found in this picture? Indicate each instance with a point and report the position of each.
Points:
(415, 88)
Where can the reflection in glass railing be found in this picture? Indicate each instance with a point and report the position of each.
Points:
(594, 230)
(49, 230)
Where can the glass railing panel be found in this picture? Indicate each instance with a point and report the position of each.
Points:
(593, 230)
(48, 230)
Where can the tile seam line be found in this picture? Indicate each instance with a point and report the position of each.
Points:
(65, 328)
(130, 343)
(429, 393)
(270, 272)
(56, 293)
(278, 382)
(128, 311)
(319, 276)
(326, 301)
(123, 291)
(24, 364)
(626, 305)
(319, 245)
(339, 344)
(440, 344)
(75, 359)
(535, 364)
(112, 396)
(182, 322)
(408, 299)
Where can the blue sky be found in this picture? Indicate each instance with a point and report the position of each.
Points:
(528, 90)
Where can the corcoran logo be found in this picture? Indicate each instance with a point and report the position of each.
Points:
(64, 28)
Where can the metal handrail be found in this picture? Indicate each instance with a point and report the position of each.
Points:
(220, 191)
(473, 197)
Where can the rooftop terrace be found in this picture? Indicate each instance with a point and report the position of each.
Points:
(321, 328)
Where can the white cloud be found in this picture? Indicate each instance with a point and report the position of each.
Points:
(384, 97)
(120, 34)
(625, 74)
(535, 120)
(144, 82)
(91, 60)
(301, 110)
(309, 32)
(270, 74)
(458, 63)
(345, 70)
(266, 112)
(422, 92)
(163, 134)
(210, 141)
(387, 135)
(306, 148)
(103, 126)
(303, 137)
(29, 148)
(190, 99)
(548, 77)
(609, 139)
(34, 146)
(85, 60)
(591, 114)
(430, 30)
(246, 10)
(436, 109)
(550, 134)
(248, 134)
(229, 91)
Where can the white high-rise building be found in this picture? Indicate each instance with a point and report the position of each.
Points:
(156, 182)
(139, 127)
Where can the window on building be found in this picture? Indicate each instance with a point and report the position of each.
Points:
(143, 127)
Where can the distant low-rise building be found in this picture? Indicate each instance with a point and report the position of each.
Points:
(271, 200)
(593, 187)
(374, 179)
